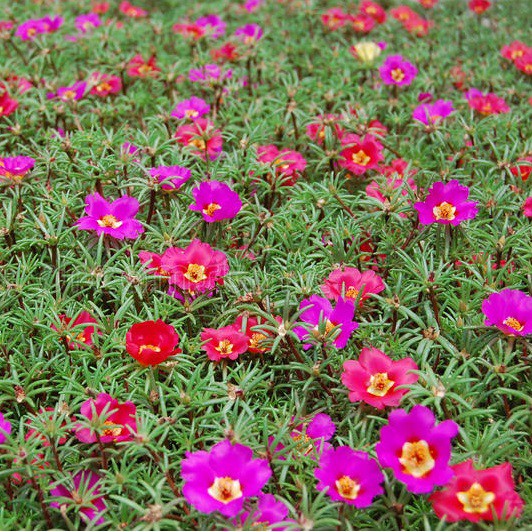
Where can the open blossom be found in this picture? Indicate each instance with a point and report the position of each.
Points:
(446, 203)
(15, 168)
(361, 23)
(226, 342)
(104, 84)
(433, 113)
(196, 268)
(373, 10)
(479, 6)
(153, 263)
(249, 34)
(269, 512)
(84, 490)
(486, 103)
(360, 154)
(334, 18)
(226, 52)
(116, 218)
(524, 63)
(476, 494)
(366, 51)
(201, 137)
(171, 177)
(385, 191)
(209, 74)
(349, 476)
(31, 28)
(258, 337)
(141, 68)
(522, 167)
(313, 437)
(84, 336)
(223, 478)
(322, 319)
(8, 105)
(5, 428)
(132, 11)
(215, 201)
(397, 71)
(70, 94)
(352, 284)
(510, 311)
(417, 449)
(86, 23)
(515, 50)
(288, 164)
(152, 342)
(109, 421)
(192, 108)
(375, 378)
(317, 130)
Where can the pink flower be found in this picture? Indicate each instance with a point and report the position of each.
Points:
(226, 342)
(140, 68)
(510, 311)
(446, 204)
(417, 449)
(313, 437)
(31, 28)
(209, 74)
(196, 268)
(69, 325)
(104, 84)
(201, 137)
(374, 378)
(252, 5)
(349, 476)
(397, 71)
(334, 18)
(216, 201)
(486, 103)
(288, 164)
(212, 25)
(171, 177)
(86, 23)
(269, 512)
(317, 130)
(192, 109)
(249, 34)
(132, 11)
(7, 104)
(15, 168)
(479, 6)
(373, 10)
(433, 113)
(84, 491)
(352, 284)
(109, 421)
(360, 154)
(70, 94)
(223, 478)
(361, 23)
(116, 219)
(384, 191)
(5, 429)
(323, 322)
(527, 207)
(515, 50)
(153, 263)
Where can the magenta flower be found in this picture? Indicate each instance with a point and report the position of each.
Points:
(433, 113)
(216, 201)
(52, 24)
(28, 30)
(446, 204)
(249, 34)
(86, 23)
(510, 311)
(397, 71)
(322, 319)
(210, 73)
(486, 103)
(70, 94)
(171, 177)
(212, 25)
(352, 284)
(15, 168)
(223, 478)
(191, 109)
(416, 449)
(83, 490)
(349, 476)
(269, 512)
(5, 428)
(315, 435)
(116, 219)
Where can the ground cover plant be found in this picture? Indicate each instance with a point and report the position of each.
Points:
(265, 265)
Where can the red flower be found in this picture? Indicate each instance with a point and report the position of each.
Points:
(131, 11)
(479, 6)
(7, 105)
(100, 7)
(403, 13)
(374, 378)
(361, 23)
(373, 10)
(334, 18)
(515, 50)
(360, 155)
(473, 494)
(85, 336)
(138, 67)
(152, 342)
(201, 137)
(226, 342)
(226, 52)
(522, 170)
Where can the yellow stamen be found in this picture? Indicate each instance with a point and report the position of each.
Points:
(352, 292)
(225, 347)
(347, 487)
(109, 221)
(145, 68)
(476, 500)
(514, 323)
(416, 458)
(256, 339)
(397, 75)
(151, 347)
(199, 143)
(444, 211)
(225, 489)
(111, 432)
(191, 113)
(211, 208)
(379, 384)
(361, 158)
(195, 273)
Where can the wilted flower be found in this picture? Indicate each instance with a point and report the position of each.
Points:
(215, 201)
(226, 342)
(171, 177)
(510, 311)
(152, 342)
(14, 169)
(352, 284)
(397, 71)
(192, 108)
(433, 113)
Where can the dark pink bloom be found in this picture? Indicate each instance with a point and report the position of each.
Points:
(417, 449)
(334, 18)
(83, 490)
(397, 71)
(527, 207)
(116, 219)
(373, 10)
(196, 268)
(5, 428)
(31, 28)
(212, 25)
(317, 130)
(287, 163)
(226, 342)
(249, 34)
(361, 23)
(209, 74)
(510, 311)
(384, 191)
(524, 63)
(201, 137)
(52, 24)
(433, 113)
(375, 378)
(216, 201)
(70, 94)
(5, 27)
(171, 177)
(7, 104)
(223, 478)
(192, 109)
(252, 5)
(515, 50)
(352, 284)
(360, 154)
(476, 494)
(349, 476)
(446, 203)
(324, 322)
(486, 103)
(313, 437)
(86, 23)
(70, 327)
(15, 168)
(153, 263)
(104, 84)
(109, 420)
(140, 68)
(132, 11)
(479, 6)
(268, 513)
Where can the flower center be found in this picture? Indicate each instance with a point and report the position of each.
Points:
(514, 323)
(225, 489)
(444, 211)
(486, 109)
(256, 339)
(352, 292)
(476, 500)
(76, 496)
(81, 338)
(68, 95)
(115, 431)
(145, 68)
(103, 87)
(329, 326)
(195, 273)
(211, 208)
(191, 113)
(151, 347)
(109, 221)
(516, 53)
(361, 158)
(305, 444)
(225, 347)
(379, 384)
(32, 31)
(397, 75)
(416, 458)
(199, 143)
(347, 487)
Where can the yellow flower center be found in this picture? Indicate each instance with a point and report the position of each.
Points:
(81, 338)
(347, 487)
(352, 292)
(329, 326)
(416, 458)
(191, 113)
(225, 347)
(145, 68)
(256, 339)
(195, 273)
(32, 31)
(514, 323)
(225, 489)
(397, 75)
(199, 143)
(516, 53)
(109, 221)
(68, 95)
(151, 347)
(444, 211)
(104, 86)
(361, 158)
(115, 431)
(476, 500)
(379, 384)
(486, 109)
(211, 208)
(305, 444)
